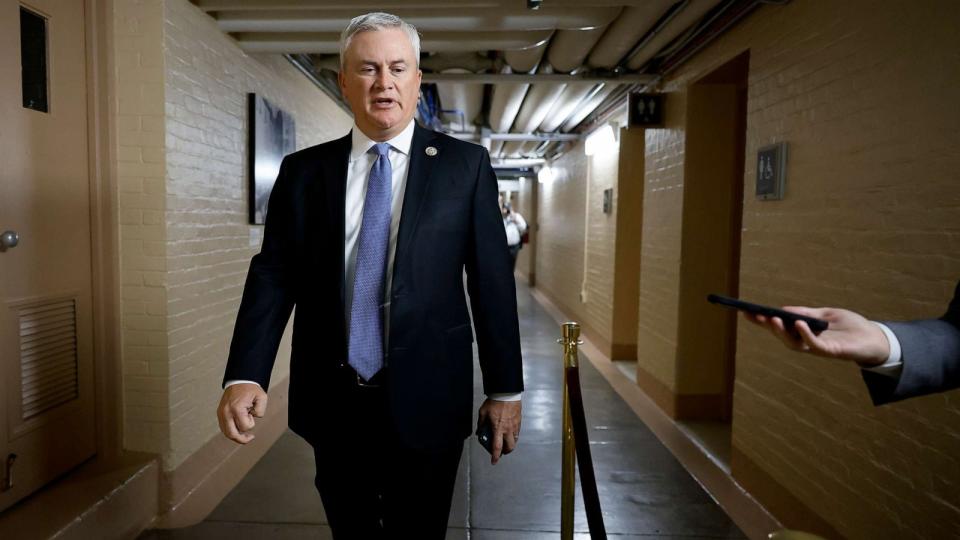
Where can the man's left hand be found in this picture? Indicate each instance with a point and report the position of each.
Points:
(504, 418)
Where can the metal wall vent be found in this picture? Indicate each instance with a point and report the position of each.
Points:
(49, 374)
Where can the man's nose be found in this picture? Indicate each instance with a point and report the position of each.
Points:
(384, 80)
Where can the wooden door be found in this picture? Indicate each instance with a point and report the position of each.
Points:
(47, 423)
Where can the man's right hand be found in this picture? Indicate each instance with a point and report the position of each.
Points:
(240, 404)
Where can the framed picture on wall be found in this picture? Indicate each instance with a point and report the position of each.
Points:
(272, 136)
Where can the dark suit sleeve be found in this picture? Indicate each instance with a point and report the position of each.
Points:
(493, 299)
(268, 292)
(931, 358)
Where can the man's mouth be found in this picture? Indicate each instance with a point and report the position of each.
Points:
(384, 103)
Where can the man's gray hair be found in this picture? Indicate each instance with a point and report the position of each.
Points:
(371, 22)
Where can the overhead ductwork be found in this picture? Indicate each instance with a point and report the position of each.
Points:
(461, 103)
(682, 21)
(329, 43)
(591, 103)
(506, 102)
(564, 106)
(568, 48)
(445, 19)
(525, 60)
(536, 105)
(511, 149)
(626, 31)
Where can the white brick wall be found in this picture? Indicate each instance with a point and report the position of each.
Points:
(140, 179)
(207, 235)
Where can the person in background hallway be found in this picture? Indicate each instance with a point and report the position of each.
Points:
(515, 226)
(898, 359)
(369, 236)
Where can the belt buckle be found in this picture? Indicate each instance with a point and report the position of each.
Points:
(365, 384)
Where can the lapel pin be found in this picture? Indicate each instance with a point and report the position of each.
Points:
(431, 151)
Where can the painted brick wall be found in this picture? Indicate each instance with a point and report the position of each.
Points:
(660, 249)
(141, 170)
(560, 238)
(863, 92)
(208, 241)
(573, 198)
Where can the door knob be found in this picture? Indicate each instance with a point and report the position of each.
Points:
(9, 239)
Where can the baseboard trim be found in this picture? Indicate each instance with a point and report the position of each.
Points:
(100, 499)
(791, 511)
(681, 406)
(189, 493)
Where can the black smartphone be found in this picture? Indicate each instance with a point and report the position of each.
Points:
(485, 436)
(788, 318)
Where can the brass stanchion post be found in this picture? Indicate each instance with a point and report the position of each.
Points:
(570, 341)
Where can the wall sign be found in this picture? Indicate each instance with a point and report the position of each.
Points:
(771, 171)
(646, 110)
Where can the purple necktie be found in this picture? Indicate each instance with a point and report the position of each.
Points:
(365, 349)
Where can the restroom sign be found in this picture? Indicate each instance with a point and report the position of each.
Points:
(646, 110)
(771, 171)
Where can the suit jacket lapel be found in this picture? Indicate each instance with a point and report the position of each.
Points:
(421, 166)
(327, 223)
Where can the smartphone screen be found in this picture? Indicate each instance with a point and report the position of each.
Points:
(788, 318)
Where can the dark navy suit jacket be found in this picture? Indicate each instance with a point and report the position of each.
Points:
(931, 357)
(450, 222)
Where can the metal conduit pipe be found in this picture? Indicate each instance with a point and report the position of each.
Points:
(495, 148)
(525, 60)
(506, 102)
(625, 31)
(568, 48)
(511, 149)
(536, 106)
(329, 43)
(678, 24)
(465, 98)
(590, 103)
(572, 95)
(424, 19)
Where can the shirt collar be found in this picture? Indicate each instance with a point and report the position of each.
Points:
(361, 144)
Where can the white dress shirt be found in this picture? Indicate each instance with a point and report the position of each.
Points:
(894, 363)
(358, 173)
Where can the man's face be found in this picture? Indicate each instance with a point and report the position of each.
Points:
(381, 82)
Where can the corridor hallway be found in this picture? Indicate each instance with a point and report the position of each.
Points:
(644, 490)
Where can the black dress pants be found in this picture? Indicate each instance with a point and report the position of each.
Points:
(372, 486)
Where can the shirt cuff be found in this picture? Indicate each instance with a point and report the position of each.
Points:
(238, 381)
(894, 364)
(505, 396)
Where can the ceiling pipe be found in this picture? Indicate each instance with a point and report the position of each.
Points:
(329, 43)
(625, 31)
(572, 95)
(536, 105)
(683, 20)
(525, 60)
(590, 103)
(568, 48)
(537, 137)
(499, 78)
(449, 19)
(506, 102)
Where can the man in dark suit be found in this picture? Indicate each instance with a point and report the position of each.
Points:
(898, 359)
(368, 236)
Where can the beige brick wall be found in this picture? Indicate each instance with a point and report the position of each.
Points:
(573, 198)
(208, 241)
(660, 249)
(560, 238)
(524, 202)
(863, 92)
(141, 170)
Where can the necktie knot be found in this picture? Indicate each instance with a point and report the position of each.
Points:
(381, 149)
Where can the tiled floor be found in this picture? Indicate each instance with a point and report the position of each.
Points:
(644, 491)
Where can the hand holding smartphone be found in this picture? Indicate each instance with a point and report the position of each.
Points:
(485, 436)
(788, 318)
